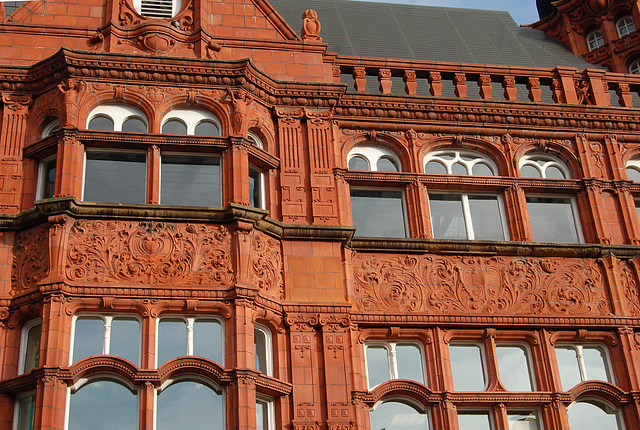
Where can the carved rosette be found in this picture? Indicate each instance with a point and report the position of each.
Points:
(266, 265)
(30, 259)
(480, 285)
(149, 252)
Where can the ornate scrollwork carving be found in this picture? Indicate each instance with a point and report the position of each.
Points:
(149, 252)
(30, 258)
(630, 289)
(266, 265)
(480, 285)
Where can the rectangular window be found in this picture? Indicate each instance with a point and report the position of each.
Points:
(378, 213)
(256, 188)
(96, 335)
(579, 363)
(46, 179)
(190, 181)
(391, 360)
(180, 336)
(523, 421)
(474, 421)
(553, 219)
(466, 216)
(23, 416)
(265, 415)
(468, 366)
(30, 346)
(115, 177)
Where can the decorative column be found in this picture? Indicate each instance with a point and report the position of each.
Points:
(292, 178)
(599, 88)
(236, 173)
(460, 83)
(384, 77)
(564, 86)
(337, 350)
(535, 93)
(153, 175)
(612, 274)
(323, 188)
(510, 90)
(242, 397)
(307, 399)
(14, 129)
(69, 166)
(486, 90)
(590, 200)
(435, 84)
(515, 202)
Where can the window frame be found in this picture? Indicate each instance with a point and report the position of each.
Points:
(634, 67)
(176, 6)
(116, 151)
(118, 113)
(550, 161)
(466, 213)
(592, 400)
(268, 347)
(106, 333)
(373, 154)
(42, 177)
(529, 363)
(483, 363)
(17, 409)
(262, 201)
(412, 403)
(623, 24)
(191, 118)
(190, 154)
(479, 158)
(595, 40)
(403, 207)
(392, 362)
(271, 410)
(190, 320)
(582, 371)
(24, 339)
(574, 212)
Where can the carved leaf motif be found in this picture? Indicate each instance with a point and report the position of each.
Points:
(149, 252)
(630, 288)
(266, 265)
(479, 285)
(30, 258)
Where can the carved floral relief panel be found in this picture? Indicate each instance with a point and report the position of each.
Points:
(149, 252)
(266, 265)
(629, 282)
(480, 285)
(30, 258)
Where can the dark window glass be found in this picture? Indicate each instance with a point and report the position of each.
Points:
(387, 165)
(88, 337)
(102, 123)
(436, 168)
(378, 213)
(260, 350)
(188, 405)
(115, 177)
(552, 220)
(206, 128)
(174, 126)
(191, 181)
(358, 163)
(529, 172)
(103, 405)
(262, 415)
(481, 169)
(134, 125)
(49, 177)
(32, 350)
(26, 409)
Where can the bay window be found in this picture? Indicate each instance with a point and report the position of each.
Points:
(102, 404)
(115, 177)
(190, 405)
(467, 216)
(190, 180)
(99, 334)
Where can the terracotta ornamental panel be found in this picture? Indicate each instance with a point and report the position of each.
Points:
(480, 285)
(149, 252)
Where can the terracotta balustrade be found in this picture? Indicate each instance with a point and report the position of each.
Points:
(525, 84)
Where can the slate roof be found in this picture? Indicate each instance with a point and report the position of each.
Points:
(429, 33)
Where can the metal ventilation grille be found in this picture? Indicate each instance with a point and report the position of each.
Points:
(157, 8)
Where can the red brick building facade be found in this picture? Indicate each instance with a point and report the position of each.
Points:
(214, 218)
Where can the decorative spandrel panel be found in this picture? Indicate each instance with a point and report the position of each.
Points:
(151, 253)
(30, 259)
(266, 267)
(468, 285)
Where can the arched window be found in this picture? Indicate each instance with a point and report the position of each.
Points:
(263, 351)
(100, 334)
(543, 166)
(393, 360)
(578, 363)
(625, 26)
(117, 118)
(157, 8)
(398, 415)
(196, 122)
(373, 158)
(50, 128)
(190, 405)
(633, 170)
(634, 67)
(593, 415)
(30, 346)
(453, 162)
(103, 404)
(595, 40)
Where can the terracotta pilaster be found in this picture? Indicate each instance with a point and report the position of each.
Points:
(14, 130)
(515, 202)
(614, 283)
(69, 167)
(153, 175)
(236, 173)
(292, 179)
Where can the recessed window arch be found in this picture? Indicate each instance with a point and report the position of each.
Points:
(595, 40)
(190, 403)
(180, 335)
(117, 117)
(543, 166)
(191, 122)
(399, 414)
(455, 162)
(50, 128)
(157, 8)
(373, 158)
(625, 25)
(255, 139)
(102, 403)
(593, 414)
(633, 169)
